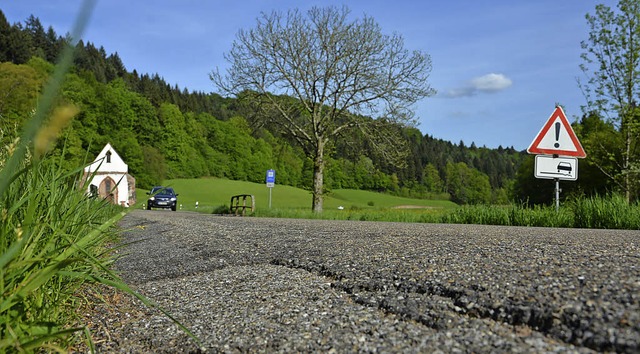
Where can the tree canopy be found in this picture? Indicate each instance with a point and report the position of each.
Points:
(611, 61)
(314, 76)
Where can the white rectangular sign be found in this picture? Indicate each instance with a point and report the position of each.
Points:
(562, 167)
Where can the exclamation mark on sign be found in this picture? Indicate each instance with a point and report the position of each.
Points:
(557, 144)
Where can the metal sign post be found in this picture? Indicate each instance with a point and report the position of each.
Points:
(271, 181)
(558, 190)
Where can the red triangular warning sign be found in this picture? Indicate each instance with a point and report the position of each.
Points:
(557, 138)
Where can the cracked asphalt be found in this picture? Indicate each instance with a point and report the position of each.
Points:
(284, 285)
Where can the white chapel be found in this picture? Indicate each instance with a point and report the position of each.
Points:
(110, 178)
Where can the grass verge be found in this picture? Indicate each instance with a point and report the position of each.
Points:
(609, 212)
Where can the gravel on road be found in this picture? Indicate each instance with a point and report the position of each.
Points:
(284, 285)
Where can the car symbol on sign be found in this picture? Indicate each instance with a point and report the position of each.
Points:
(564, 166)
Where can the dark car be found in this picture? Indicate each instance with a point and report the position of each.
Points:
(162, 197)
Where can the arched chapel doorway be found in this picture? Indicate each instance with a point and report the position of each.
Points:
(108, 190)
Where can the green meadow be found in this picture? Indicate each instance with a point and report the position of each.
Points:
(214, 193)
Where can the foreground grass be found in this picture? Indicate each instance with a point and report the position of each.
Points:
(51, 243)
(54, 248)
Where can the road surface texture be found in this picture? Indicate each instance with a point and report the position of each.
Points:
(281, 285)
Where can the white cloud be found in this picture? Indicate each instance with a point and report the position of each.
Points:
(489, 83)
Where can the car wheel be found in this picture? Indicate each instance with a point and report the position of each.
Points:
(173, 208)
(148, 207)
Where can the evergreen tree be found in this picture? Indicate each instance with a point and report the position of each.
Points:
(5, 32)
(38, 37)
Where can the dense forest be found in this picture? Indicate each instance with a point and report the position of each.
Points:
(164, 131)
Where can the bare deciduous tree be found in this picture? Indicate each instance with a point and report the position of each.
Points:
(319, 75)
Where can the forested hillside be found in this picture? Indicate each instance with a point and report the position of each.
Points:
(164, 131)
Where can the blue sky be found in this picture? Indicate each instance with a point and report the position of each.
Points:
(499, 66)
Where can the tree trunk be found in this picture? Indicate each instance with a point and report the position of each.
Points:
(627, 165)
(318, 177)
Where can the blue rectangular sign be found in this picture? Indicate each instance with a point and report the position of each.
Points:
(271, 176)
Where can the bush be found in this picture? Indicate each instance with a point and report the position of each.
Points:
(221, 209)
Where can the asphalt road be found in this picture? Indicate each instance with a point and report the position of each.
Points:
(281, 285)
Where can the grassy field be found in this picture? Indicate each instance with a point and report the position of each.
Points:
(213, 196)
(213, 193)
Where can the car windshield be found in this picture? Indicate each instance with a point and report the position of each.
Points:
(163, 191)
